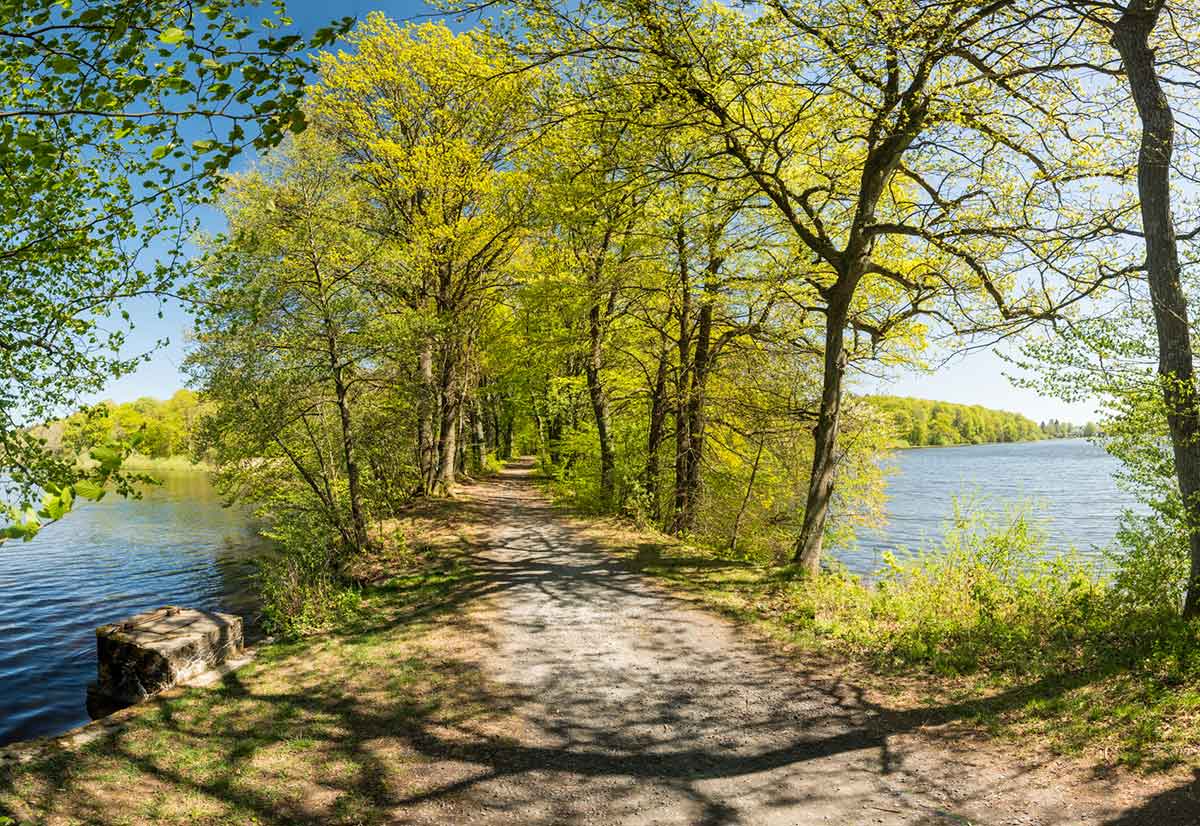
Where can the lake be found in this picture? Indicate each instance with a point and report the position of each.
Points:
(1069, 482)
(103, 562)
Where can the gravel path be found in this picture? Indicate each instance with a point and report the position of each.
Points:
(629, 706)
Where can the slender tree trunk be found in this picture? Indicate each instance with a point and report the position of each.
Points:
(658, 417)
(820, 483)
(600, 402)
(447, 448)
(479, 435)
(353, 477)
(463, 444)
(701, 364)
(680, 524)
(1176, 366)
(737, 522)
(426, 444)
(554, 437)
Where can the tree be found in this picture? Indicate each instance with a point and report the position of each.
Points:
(115, 118)
(430, 121)
(287, 331)
(1131, 32)
(857, 143)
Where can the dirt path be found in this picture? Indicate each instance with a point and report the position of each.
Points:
(629, 706)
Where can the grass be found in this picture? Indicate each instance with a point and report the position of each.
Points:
(137, 461)
(982, 631)
(317, 731)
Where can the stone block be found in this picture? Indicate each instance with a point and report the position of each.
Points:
(150, 652)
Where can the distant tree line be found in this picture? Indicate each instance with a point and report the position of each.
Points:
(921, 422)
(1055, 429)
(158, 429)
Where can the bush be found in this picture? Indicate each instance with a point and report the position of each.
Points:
(989, 597)
(302, 586)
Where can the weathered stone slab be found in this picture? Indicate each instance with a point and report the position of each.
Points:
(150, 652)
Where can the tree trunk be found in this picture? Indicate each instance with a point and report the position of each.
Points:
(820, 482)
(701, 364)
(737, 522)
(658, 417)
(447, 448)
(680, 524)
(600, 403)
(554, 437)
(1176, 367)
(426, 444)
(479, 435)
(352, 471)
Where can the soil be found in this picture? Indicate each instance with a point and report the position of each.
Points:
(626, 704)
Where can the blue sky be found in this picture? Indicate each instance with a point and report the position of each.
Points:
(977, 378)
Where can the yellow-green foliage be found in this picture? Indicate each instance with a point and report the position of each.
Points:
(990, 596)
(922, 422)
(161, 429)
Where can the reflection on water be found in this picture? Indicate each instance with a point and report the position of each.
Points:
(103, 562)
(1068, 481)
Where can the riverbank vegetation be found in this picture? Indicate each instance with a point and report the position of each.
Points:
(162, 430)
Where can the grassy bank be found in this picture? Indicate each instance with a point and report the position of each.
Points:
(983, 629)
(328, 730)
(168, 463)
(151, 464)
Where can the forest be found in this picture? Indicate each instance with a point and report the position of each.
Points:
(155, 428)
(663, 247)
(920, 422)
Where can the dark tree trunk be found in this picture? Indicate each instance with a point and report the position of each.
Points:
(658, 419)
(820, 483)
(353, 477)
(701, 368)
(426, 438)
(1176, 367)
(680, 524)
(554, 437)
(600, 402)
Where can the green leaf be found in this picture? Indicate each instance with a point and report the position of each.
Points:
(106, 455)
(89, 490)
(172, 36)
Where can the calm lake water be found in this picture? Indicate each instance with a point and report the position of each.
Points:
(1068, 482)
(105, 561)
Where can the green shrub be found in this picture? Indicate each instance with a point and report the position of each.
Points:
(988, 597)
(302, 587)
